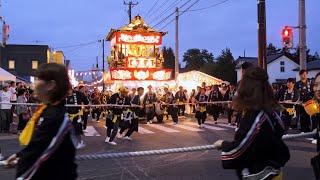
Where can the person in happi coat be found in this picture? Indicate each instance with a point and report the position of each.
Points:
(170, 103)
(288, 95)
(149, 100)
(181, 100)
(120, 100)
(96, 100)
(306, 94)
(201, 111)
(48, 153)
(75, 113)
(132, 123)
(215, 95)
(229, 95)
(257, 149)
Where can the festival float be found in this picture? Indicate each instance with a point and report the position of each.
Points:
(136, 59)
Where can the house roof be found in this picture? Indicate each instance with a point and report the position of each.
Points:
(254, 60)
(313, 65)
(136, 25)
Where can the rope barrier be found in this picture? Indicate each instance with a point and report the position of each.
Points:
(169, 151)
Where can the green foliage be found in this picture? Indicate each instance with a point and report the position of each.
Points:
(196, 58)
(169, 60)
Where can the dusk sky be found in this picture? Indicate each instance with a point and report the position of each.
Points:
(232, 24)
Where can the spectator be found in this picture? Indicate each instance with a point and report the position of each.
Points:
(6, 116)
(22, 110)
(13, 98)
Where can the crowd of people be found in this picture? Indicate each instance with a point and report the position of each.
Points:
(255, 106)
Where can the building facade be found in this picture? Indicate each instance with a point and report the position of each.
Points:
(279, 67)
(23, 60)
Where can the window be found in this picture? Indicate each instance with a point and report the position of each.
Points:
(34, 64)
(11, 64)
(281, 69)
(282, 63)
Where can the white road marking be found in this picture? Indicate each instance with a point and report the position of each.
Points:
(220, 124)
(91, 131)
(142, 130)
(188, 128)
(162, 128)
(209, 127)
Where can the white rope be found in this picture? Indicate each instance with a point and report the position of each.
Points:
(169, 151)
(162, 151)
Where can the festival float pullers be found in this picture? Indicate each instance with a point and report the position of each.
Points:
(135, 58)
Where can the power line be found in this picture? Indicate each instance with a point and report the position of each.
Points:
(160, 6)
(163, 20)
(81, 46)
(152, 8)
(163, 12)
(73, 45)
(200, 9)
(180, 14)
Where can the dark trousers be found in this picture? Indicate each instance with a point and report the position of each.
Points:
(133, 127)
(173, 112)
(113, 132)
(201, 121)
(22, 123)
(181, 110)
(230, 114)
(286, 118)
(6, 118)
(13, 108)
(150, 113)
(215, 111)
(85, 119)
(304, 119)
(94, 112)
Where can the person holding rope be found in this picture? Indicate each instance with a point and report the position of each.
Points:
(228, 97)
(201, 112)
(49, 151)
(169, 100)
(181, 99)
(306, 94)
(149, 101)
(257, 151)
(114, 116)
(214, 109)
(96, 100)
(75, 113)
(289, 94)
(133, 123)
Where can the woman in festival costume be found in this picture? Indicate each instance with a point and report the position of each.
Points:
(316, 160)
(201, 112)
(215, 95)
(43, 157)
(114, 116)
(257, 149)
(149, 100)
(96, 100)
(22, 110)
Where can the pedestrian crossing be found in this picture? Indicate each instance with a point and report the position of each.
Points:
(145, 129)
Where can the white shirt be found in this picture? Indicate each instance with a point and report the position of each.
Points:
(5, 97)
(14, 94)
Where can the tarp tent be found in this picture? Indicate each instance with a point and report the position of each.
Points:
(6, 76)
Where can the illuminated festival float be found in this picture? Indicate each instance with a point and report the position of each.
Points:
(135, 58)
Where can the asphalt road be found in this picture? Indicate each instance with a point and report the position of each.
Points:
(195, 165)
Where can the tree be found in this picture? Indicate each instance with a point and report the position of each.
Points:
(225, 66)
(296, 54)
(169, 60)
(271, 49)
(196, 58)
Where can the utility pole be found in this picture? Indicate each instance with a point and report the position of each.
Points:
(103, 84)
(130, 4)
(302, 34)
(262, 50)
(177, 46)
